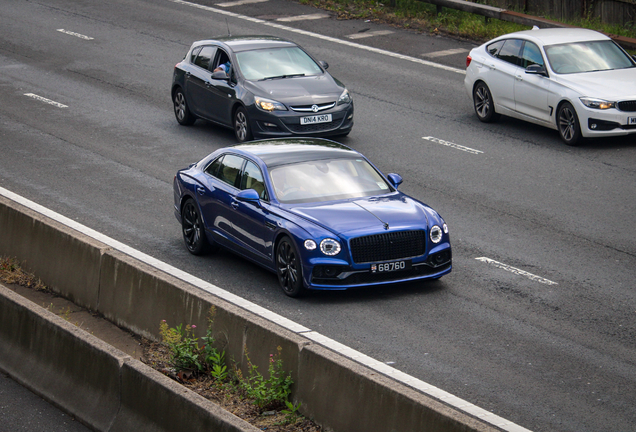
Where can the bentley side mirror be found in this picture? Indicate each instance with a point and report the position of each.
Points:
(395, 179)
(249, 195)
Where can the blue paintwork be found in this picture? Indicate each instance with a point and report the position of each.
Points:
(250, 227)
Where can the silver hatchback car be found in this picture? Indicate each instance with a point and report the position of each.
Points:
(576, 81)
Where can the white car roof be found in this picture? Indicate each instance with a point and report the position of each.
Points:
(552, 36)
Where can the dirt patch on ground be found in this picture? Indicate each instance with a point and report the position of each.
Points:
(227, 395)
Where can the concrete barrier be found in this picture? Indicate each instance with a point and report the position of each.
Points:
(335, 391)
(101, 386)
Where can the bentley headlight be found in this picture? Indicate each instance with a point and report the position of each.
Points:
(310, 244)
(330, 247)
(436, 234)
(597, 103)
(269, 105)
(344, 98)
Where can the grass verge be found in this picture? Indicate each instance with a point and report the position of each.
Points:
(423, 17)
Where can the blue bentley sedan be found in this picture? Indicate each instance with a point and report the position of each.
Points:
(315, 212)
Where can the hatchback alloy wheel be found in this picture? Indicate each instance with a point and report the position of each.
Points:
(484, 105)
(181, 110)
(242, 126)
(569, 128)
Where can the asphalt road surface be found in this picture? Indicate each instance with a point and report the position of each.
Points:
(22, 410)
(537, 321)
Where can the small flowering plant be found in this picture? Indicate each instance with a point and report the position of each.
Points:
(183, 346)
(271, 392)
(186, 355)
(267, 394)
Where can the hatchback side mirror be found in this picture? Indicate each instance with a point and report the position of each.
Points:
(536, 69)
(219, 75)
(324, 64)
(395, 179)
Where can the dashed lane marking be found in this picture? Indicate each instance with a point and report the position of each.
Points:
(517, 271)
(304, 17)
(370, 34)
(239, 3)
(445, 52)
(45, 100)
(452, 145)
(81, 36)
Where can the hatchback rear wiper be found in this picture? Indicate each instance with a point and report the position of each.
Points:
(283, 76)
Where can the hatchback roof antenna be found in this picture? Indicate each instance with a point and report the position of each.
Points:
(228, 27)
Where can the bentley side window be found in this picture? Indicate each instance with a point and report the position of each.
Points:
(253, 179)
(213, 168)
(227, 169)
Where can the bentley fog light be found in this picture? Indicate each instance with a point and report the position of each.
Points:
(330, 247)
(436, 234)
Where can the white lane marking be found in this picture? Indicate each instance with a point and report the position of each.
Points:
(304, 17)
(239, 3)
(376, 365)
(445, 52)
(370, 34)
(45, 100)
(322, 37)
(516, 271)
(453, 145)
(81, 36)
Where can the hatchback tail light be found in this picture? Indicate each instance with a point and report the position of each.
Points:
(468, 60)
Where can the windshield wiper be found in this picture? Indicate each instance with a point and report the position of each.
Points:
(283, 76)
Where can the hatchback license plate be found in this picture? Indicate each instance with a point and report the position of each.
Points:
(322, 118)
(391, 266)
(631, 120)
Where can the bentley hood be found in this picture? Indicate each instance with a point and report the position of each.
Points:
(391, 212)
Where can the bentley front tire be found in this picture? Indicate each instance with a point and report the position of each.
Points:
(289, 268)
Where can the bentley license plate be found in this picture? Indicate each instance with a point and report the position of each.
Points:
(391, 266)
(322, 118)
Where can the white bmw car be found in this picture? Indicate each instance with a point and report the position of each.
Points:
(576, 81)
